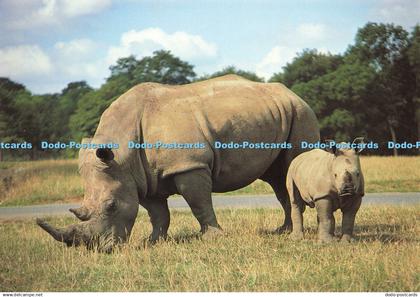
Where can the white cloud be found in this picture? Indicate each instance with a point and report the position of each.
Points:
(75, 47)
(144, 42)
(276, 58)
(84, 59)
(73, 8)
(46, 12)
(312, 32)
(305, 35)
(50, 70)
(401, 12)
(78, 59)
(25, 60)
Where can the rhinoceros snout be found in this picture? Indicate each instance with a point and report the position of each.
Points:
(104, 243)
(347, 190)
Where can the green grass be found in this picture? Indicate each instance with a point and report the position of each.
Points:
(54, 181)
(245, 258)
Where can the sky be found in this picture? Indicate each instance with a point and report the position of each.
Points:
(45, 44)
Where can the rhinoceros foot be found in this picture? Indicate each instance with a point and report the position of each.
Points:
(327, 238)
(296, 236)
(283, 229)
(346, 238)
(211, 233)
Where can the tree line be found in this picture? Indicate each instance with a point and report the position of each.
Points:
(371, 90)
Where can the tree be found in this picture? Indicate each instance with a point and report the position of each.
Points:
(164, 68)
(384, 48)
(84, 121)
(67, 105)
(8, 111)
(414, 60)
(339, 101)
(380, 45)
(124, 66)
(161, 67)
(36, 119)
(232, 70)
(308, 65)
(8, 92)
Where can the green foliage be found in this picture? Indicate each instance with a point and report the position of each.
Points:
(338, 100)
(384, 47)
(414, 60)
(67, 105)
(414, 55)
(371, 93)
(308, 65)
(84, 121)
(380, 45)
(162, 67)
(8, 91)
(232, 70)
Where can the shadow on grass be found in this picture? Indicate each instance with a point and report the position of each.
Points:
(186, 237)
(385, 233)
(271, 232)
(181, 238)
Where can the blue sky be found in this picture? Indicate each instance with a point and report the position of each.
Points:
(47, 43)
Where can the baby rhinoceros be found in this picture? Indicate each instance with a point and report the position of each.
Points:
(327, 181)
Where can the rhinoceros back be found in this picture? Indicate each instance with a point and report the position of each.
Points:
(229, 109)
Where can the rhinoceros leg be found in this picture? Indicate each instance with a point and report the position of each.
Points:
(275, 176)
(278, 184)
(195, 186)
(159, 217)
(332, 228)
(325, 218)
(283, 197)
(349, 216)
(298, 208)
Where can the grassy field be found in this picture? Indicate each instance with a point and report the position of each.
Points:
(245, 258)
(39, 182)
(27, 183)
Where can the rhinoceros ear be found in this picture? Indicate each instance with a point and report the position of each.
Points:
(331, 148)
(359, 141)
(105, 154)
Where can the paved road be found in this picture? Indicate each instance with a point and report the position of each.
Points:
(243, 201)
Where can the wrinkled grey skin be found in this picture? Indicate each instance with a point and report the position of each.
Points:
(224, 109)
(327, 181)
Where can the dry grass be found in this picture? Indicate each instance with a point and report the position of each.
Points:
(246, 258)
(391, 174)
(57, 180)
(39, 182)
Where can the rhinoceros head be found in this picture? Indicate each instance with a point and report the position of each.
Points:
(346, 171)
(110, 203)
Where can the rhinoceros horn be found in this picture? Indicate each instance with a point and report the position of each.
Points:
(83, 232)
(71, 235)
(82, 213)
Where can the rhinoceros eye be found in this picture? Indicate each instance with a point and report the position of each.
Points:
(111, 206)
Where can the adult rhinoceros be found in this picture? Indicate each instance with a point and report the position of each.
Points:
(226, 109)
